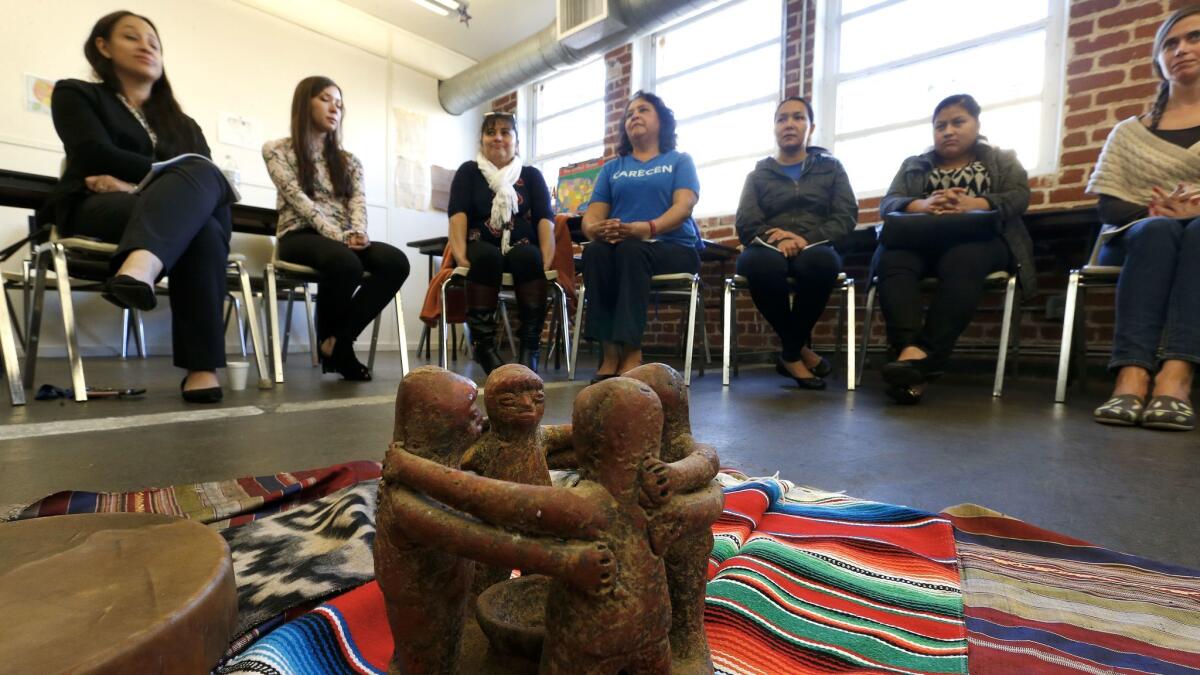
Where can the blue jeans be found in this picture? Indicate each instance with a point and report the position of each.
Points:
(1158, 293)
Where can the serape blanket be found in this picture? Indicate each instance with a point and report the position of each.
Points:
(220, 504)
(874, 588)
(1040, 602)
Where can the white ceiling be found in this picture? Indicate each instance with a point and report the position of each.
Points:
(495, 24)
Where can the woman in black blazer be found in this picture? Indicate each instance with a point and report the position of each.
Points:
(179, 224)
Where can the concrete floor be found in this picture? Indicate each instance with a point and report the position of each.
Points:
(1133, 490)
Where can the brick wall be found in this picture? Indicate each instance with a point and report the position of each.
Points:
(1108, 78)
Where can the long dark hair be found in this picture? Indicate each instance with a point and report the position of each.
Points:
(1164, 87)
(302, 133)
(666, 125)
(162, 111)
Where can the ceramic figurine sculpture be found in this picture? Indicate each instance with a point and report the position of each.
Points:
(609, 608)
(424, 580)
(692, 467)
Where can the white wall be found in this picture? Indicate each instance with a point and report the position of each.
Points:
(225, 57)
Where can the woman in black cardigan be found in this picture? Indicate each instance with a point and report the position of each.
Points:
(179, 224)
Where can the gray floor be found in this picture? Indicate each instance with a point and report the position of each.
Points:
(1133, 490)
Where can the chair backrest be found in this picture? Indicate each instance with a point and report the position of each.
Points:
(259, 251)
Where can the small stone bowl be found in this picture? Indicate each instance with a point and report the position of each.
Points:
(512, 614)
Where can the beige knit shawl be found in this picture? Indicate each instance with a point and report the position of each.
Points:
(1134, 161)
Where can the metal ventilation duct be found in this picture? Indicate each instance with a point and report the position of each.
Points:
(541, 54)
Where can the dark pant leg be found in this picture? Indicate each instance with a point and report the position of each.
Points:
(635, 262)
(600, 283)
(1182, 339)
(815, 270)
(102, 216)
(172, 210)
(197, 288)
(389, 268)
(900, 271)
(961, 272)
(485, 275)
(524, 263)
(1150, 253)
(766, 272)
(341, 273)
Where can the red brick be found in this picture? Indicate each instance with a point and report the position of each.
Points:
(1135, 93)
(1075, 140)
(1071, 194)
(1037, 198)
(1081, 9)
(1095, 81)
(1080, 66)
(1145, 31)
(1077, 103)
(1079, 157)
(1100, 135)
(1080, 29)
(1086, 119)
(1138, 52)
(1144, 71)
(1131, 15)
(1101, 43)
(1127, 111)
(1071, 176)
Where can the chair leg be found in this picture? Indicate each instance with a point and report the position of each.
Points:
(1005, 328)
(702, 320)
(271, 300)
(577, 329)
(563, 325)
(33, 323)
(125, 331)
(868, 316)
(139, 334)
(691, 333)
(851, 343)
(444, 333)
(256, 338)
(401, 335)
(311, 318)
(241, 323)
(374, 341)
(726, 330)
(15, 320)
(1064, 350)
(68, 314)
(8, 354)
(287, 322)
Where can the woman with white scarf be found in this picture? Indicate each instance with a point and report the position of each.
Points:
(500, 221)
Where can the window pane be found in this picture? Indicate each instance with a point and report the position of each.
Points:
(871, 161)
(1001, 71)
(721, 186)
(737, 132)
(567, 131)
(899, 30)
(569, 89)
(851, 6)
(721, 33)
(746, 77)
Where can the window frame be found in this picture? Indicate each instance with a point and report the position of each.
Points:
(532, 156)
(826, 78)
(649, 79)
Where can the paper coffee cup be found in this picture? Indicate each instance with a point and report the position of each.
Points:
(236, 372)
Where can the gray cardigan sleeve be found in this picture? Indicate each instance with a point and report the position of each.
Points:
(750, 218)
(1010, 193)
(898, 196)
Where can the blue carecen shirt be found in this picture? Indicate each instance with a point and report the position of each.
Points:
(645, 190)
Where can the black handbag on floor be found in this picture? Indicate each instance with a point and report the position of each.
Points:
(927, 230)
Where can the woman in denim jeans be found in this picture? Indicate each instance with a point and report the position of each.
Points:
(1146, 181)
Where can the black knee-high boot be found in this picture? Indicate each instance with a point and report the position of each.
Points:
(481, 320)
(531, 310)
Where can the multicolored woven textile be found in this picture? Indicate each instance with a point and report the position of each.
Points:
(827, 583)
(874, 588)
(221, 504)
(1040, 602)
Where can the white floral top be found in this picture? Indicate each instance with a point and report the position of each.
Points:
(323, 212)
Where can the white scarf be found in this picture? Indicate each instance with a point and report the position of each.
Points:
(501, 181)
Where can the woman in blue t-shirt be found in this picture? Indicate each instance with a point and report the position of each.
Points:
(640, 224)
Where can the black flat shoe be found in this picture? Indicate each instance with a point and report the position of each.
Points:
(209, 395)
(903, 395)
(909, 373)
(812, 383)
(344, 363)
(128, 293)
(822, 369)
